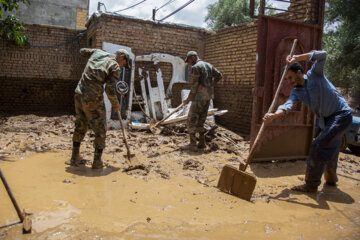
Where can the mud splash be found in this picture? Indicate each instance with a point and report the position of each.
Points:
(171, 196)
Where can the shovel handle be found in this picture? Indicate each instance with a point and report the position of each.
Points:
(174, 111)
(7, 187)
(271, 109)
(124, 135)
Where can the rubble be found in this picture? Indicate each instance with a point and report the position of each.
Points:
(164, 177)
(24, 135)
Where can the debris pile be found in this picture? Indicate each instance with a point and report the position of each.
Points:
(158, 155)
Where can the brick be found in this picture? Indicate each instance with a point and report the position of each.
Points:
(44, 79)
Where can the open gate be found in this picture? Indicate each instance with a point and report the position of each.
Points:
(289, 137)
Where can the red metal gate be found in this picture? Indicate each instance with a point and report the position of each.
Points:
(289, 137)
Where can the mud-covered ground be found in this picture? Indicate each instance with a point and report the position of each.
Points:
(169, 193)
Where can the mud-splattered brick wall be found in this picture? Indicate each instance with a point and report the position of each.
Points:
(233, 52)
(42, 77)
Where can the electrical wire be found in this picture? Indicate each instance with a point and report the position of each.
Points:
(177, 10)
(129, 7)
(165, 5)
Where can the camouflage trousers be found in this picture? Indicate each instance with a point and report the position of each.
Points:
(197, 116)
(90, 114)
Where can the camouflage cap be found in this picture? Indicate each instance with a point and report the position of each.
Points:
(189, 54)
(126, 54)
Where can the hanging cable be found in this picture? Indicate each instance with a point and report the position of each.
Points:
(157, 9)
(177, 10)
(129, 7)
(165, 4)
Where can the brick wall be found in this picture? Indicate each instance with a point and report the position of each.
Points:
(146, 37)
(36, 78)
(81, 18)
(304, 11)
(41, 78)
(233, 52)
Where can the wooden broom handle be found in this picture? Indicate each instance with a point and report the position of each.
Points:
(271, 109)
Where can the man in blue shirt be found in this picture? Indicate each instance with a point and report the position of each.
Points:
(317, 93)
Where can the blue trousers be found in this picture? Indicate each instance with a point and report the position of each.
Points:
(324, 150)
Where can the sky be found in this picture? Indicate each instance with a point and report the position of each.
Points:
(193, 15)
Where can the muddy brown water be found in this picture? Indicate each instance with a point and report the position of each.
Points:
(172, 197)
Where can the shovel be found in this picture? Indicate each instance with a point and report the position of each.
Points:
(129, 155)
(122, 88)
(154, 125)
(25, 218)
(239, 182)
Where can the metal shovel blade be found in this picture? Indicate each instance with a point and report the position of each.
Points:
(237, 182)
(27, 224)
(154, 129)
(129, 156)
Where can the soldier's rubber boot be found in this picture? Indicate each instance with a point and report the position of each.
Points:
(201, 144)
(97, 163)
(75, 155)
(192, 145)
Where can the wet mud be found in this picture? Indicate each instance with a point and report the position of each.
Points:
(166, 193)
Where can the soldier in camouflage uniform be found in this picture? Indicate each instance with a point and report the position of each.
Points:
(203, 77)
(101, 68)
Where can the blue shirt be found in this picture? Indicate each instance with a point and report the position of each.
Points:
(318, 93)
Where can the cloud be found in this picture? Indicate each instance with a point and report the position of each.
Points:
(193, 15)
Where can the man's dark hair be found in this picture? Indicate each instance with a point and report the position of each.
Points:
(295, 67)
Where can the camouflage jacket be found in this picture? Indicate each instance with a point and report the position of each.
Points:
(101, 68)
(203, 78)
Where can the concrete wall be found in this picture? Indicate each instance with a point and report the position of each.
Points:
(64, 13)
(41, 78)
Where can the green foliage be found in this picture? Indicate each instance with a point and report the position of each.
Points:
(343, 43)
(11, 27)
(226, 13)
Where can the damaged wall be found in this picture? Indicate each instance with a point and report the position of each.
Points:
(41, 78)
(44, 78)
(146, 37)
(233, 52)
